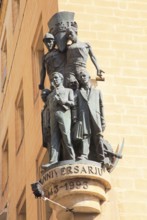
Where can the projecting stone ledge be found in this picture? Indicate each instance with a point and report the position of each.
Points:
(80, 186)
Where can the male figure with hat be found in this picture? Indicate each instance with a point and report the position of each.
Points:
(52, 61)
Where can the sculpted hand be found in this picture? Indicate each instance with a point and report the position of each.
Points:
(41, 87)
(103, 127)
(61, 101)
(74, 120)
(99, 72)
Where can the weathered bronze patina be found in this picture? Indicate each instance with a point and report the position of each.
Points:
(73, 116)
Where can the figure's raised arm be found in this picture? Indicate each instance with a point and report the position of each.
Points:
(94, 61)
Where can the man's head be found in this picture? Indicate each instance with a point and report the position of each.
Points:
(57, 79)
(71, 35)
(84, 78)
(73, 82)
(49, 41)
(44, 94)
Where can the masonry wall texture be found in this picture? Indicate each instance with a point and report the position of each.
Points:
(117, 32)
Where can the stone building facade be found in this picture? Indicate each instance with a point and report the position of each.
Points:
(117, 32)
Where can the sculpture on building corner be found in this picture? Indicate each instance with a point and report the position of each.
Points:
(73, 116)
(73, 122)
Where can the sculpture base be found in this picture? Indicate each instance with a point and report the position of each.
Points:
(80, 186)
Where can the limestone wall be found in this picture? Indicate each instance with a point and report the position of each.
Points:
(117, 31)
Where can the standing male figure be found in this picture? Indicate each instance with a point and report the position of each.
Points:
(90, 111)
(52, 61)
(60, 101)
(77, 55)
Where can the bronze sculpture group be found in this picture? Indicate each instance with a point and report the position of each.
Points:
(73, 114)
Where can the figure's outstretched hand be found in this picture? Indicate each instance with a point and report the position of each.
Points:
(99, 72)
(99, 75)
